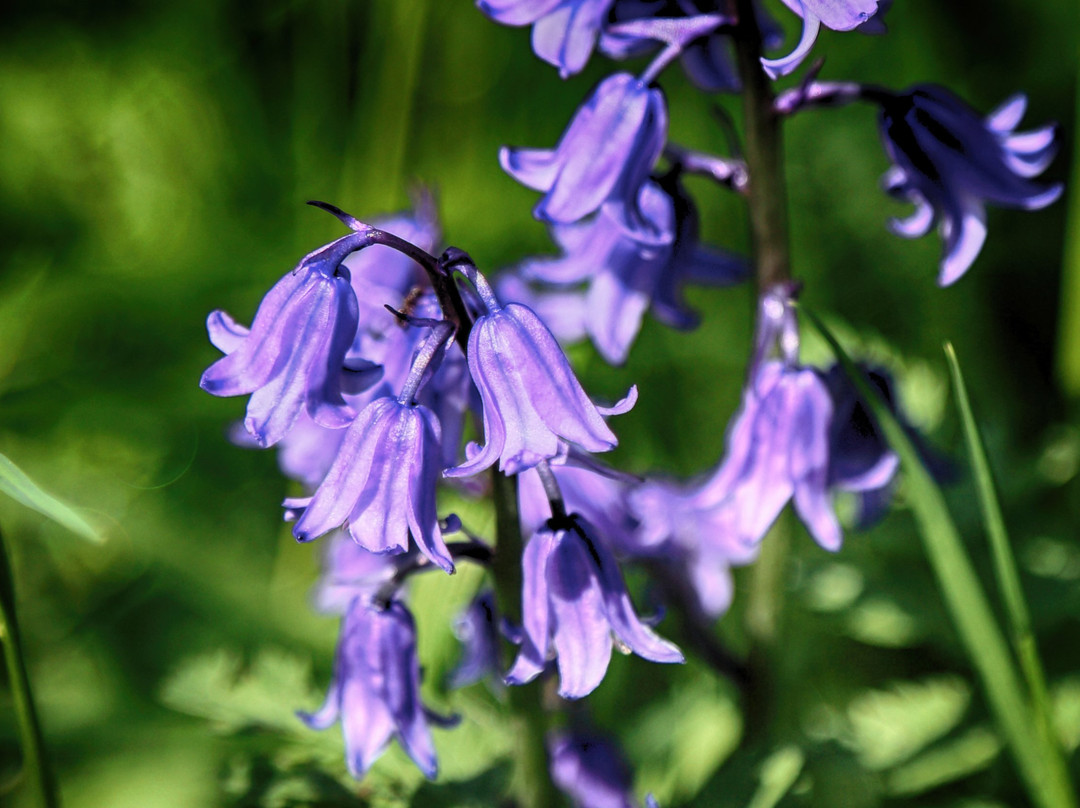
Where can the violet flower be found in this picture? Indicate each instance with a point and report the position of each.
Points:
(573, 601)
(564, 31)
(688, 528)
(531, 398)
(627, 276)
(590, 770)
(949, 162)
(839, 15)
(477, 629)
(349, 572)
(382, 483)
(376, 689)
(603, 158)
(294, 354)
(778, 450)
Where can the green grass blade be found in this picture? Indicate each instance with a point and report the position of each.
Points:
(1005, 569)
(966, 602)
(15, 483)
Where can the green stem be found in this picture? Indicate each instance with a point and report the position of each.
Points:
(532, 784)
(764, 156)
(35, 762)
(767, 201)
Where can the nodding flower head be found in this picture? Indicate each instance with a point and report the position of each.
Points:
(531, 398)
(294, 354)
(627, 277)
(376, 688)
(603, 158)
(839, 15)
(777, 450)
(949, 162)
(573, 602)
(564, 31)
(382, 483)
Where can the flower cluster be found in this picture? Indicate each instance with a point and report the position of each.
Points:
(371, 362)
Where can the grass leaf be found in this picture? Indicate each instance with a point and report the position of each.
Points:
(15, 483)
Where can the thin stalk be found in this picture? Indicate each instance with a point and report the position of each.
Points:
(767, 202)
(763, 152)
(966, 602)
(1005, 570)
(35, 762)
(532, 784)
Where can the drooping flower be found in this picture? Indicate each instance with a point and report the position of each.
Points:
(348, 571)
(573, 601)
(531, 398)
(293, 357)
(564, 31)
(477, 629)
(860, 460)
(778, 450)
(603, 158)
(949, 162)
(627, 276)
(376, 688)
(839, 15)
(590, 770)
(706, 58)
(686, 528)
(382, 483)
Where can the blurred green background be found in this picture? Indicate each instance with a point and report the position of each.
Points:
(154, 162)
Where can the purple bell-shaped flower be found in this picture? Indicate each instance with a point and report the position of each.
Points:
(573, 601)
(603, 158)
(382, 483)
(376, 689)
(294, 354)
(949, 161)
(531, 398)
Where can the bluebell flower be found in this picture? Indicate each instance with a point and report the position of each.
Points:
(597, 497)
(603, 158)
(949, 162)
(293, 357)
(376, 689)
(532, 400)
(778, 450)
(707, 60)
(478, 630)
(839, 15)
(590, 770)
(859, 457)
(564, 31)
(688, 528)
(348, 571)
(627, 277)
(573, 601)
(382, 483)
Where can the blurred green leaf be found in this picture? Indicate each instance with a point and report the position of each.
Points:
(949, 762)
(891, 726)
(778, 774)
(18, 486)
(218, 688)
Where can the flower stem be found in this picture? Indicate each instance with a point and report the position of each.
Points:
(35, 763)
(532, 784)
(767, 202)
(764, 155)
